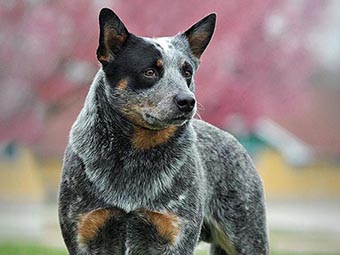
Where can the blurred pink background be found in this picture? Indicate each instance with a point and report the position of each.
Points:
(271, 76)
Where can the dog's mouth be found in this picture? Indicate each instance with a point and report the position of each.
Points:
(162, 123)
(181, 118)
(146, 119)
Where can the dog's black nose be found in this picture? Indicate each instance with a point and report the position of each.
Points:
(185, 102)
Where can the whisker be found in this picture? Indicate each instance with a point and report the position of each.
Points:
(200, 106)
(198, 115)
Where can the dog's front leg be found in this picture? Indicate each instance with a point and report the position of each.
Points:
(189, 236)
(166, 233)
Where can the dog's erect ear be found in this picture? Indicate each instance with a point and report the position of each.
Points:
(199, 35)
(112, 35)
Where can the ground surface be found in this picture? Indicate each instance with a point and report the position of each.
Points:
(30, 249)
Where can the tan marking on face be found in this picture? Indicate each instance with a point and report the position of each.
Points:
(131, 112)
(145, 139)
(159, 63)
(105, 58)
(90, 223)
(122, 84)
(167, 224)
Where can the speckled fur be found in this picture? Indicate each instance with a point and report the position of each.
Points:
(201, 175)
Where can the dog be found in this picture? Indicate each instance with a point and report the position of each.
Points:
(140, 175)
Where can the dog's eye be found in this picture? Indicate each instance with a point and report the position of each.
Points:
(187, 74)
(150, 73)
(187, 71)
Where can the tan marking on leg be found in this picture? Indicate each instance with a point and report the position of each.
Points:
(167, 224)
(145, 139)
(90, 223)
(122, 84)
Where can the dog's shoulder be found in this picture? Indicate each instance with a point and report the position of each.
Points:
(213, 136)
(221, 151)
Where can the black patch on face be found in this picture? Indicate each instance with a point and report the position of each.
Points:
(132, 61)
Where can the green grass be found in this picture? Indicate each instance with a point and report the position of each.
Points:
(32, 249)
(28, 249)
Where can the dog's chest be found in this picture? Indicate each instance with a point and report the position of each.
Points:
(129, 185)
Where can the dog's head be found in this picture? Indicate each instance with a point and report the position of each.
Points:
(150, 80)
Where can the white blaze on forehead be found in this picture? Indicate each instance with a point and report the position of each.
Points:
(174, 50)
(168, 50)
(164, 43)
